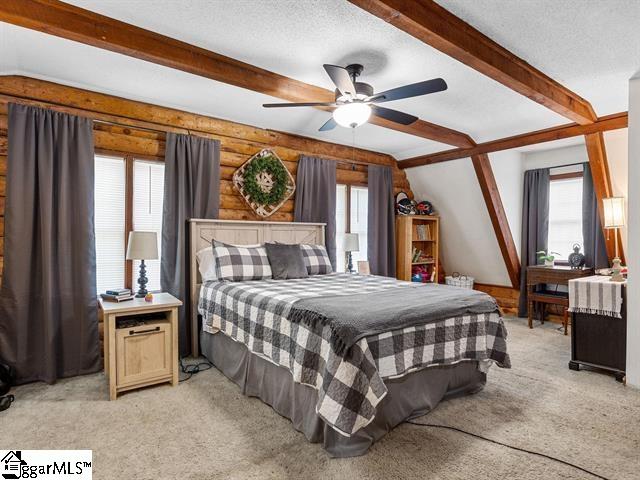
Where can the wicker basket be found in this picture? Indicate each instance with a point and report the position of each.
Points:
(457, 280)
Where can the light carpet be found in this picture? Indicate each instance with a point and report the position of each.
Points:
(206, 429)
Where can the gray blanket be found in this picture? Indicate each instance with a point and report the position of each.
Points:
(352, 317)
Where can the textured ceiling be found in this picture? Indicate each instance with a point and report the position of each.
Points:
(295, 38)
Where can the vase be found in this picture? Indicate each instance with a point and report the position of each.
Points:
(549, 263)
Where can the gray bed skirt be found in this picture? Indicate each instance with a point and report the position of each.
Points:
(409, 396)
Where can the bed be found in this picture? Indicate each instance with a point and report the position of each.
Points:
(345, 398)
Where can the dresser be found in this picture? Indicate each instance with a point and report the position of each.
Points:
(598, 325)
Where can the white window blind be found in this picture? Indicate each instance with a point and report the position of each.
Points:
(359, 212)
(148, 195)
(565, 216)
(341, 226)
(109, 222)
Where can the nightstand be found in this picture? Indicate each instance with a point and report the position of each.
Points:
(140, 342)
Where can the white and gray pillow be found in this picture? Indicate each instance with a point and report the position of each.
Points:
(238, 263)
(316, 259)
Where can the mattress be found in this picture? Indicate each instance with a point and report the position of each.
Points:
(349, 388)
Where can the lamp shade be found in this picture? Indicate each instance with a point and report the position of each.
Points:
(351, 242)
(613, 212)
(142, 246)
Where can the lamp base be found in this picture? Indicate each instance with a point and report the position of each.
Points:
(142, 281)
(616, 271)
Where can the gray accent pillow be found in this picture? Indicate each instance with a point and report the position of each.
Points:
(286, 261)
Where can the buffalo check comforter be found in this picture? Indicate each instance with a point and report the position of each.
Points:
(350, 386)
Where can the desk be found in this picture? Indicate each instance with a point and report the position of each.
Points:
(557, 275)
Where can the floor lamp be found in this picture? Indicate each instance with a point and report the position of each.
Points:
(613, 220)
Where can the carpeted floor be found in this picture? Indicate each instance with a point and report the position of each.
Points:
(205, 429)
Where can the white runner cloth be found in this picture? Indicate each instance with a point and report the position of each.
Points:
(597, 295)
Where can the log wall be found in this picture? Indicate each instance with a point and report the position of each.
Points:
(130, 127)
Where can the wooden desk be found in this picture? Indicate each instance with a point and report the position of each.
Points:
(558, 275)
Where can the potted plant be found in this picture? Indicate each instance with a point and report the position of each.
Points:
(548, 258)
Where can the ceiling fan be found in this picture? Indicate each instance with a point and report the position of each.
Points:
(355, 101)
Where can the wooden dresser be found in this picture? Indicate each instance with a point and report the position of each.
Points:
(417, 233)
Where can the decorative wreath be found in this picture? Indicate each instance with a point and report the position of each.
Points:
(266, 180)
(264, 183)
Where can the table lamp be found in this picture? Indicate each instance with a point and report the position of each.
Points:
(142, 246)
(614, 219)
(351, 244)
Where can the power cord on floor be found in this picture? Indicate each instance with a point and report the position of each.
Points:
(191, 369)
(577, 467)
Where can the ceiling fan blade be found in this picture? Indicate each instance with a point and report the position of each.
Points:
(393, 115)
(328, 125)
(342, 80)
(413, 90)
(307, 104)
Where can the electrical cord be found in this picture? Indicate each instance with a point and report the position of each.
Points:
(549, 457)
(191, 369)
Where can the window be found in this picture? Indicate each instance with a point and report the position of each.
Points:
(148, 194)
(351, 216)
(565, 216)
(121, 208)
(109, 222)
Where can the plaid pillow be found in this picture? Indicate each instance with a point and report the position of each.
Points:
(316, 259)
(237, 263)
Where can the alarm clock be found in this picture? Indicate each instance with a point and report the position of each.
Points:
(576, 259)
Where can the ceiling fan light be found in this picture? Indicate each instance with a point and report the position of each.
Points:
(352, 115)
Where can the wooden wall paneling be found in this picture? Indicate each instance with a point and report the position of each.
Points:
(489, 187)
(506, 297)
(123, 127)
(80, 25)
(609, 122)
(437, 27)
(602, 186)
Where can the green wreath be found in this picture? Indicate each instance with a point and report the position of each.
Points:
(273, 166)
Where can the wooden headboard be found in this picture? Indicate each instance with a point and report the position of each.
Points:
(239, 232)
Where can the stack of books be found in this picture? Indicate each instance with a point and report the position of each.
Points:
(117, 295)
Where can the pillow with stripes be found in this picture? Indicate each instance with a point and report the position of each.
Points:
(316, 259)
(238, 263)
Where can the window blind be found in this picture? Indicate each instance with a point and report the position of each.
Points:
(359, 219)
(148, 195)
(109, 222)
(565, 216)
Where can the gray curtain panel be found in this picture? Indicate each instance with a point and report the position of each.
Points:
(191, 190)
(381, 237)
(316, 197)
(48, 304)
(535, 226)
(595, 250)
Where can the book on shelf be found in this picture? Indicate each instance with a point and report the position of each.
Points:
(423, 232)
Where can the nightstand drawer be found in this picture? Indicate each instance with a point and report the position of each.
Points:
(143, 352)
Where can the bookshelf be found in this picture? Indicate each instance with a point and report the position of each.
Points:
(417, 244)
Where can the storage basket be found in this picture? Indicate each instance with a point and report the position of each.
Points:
(457, 280)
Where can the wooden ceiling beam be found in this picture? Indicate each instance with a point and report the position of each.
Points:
(603, 124)
(492, 200)
(602, 187)
(73, 23)
(437, 27)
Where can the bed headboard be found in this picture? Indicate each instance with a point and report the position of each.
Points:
(239, 232)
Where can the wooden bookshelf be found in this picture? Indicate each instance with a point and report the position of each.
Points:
(417, 245)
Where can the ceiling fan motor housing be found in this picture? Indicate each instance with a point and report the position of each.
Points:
(363, 90)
